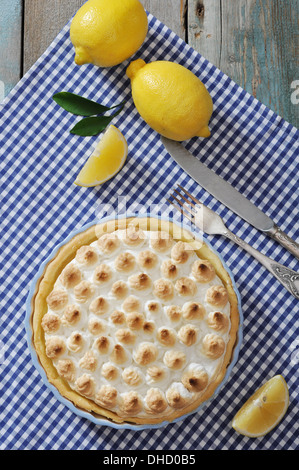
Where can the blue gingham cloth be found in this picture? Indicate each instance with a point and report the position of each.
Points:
(251, 147)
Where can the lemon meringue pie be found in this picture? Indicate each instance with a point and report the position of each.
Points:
(135, 320)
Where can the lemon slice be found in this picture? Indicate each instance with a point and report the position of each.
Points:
(106, 160)
(264, 409)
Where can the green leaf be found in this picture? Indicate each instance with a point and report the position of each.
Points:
(78, 105)
(93, 125)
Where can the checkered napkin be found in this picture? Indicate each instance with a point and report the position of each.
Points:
(251, 147)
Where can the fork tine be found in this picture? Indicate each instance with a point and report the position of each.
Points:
(183, 205)
(185, 199)
(190, 195)
(180, 210)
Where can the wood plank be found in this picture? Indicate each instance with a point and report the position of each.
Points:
(256, 46)
(10, 45)
(170, 12)
(42, 22)
(204, 29)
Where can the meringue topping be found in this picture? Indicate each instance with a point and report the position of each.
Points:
(86, 255)
(72, 315)
(50, 323)
(57, 299)
(217, 296)
(213, 346)
(66, 369)
(137, 323)
(83, 291)
(70, 276)
(163, 289)
(155, 401)
(55, 347)
(203, 270)
(106, 396)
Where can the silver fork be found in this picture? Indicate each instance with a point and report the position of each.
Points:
(212, 224)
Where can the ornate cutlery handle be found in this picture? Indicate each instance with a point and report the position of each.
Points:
(277, 234)
(287, 277)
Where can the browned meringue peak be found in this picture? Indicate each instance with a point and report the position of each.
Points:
(156, 373)
(163, 289)
(131, 304)
(119, 289)
(108, 243)
(85, 385)
(145, 353)
(203, 270)
(174, 359)
(155, 401)
(149, 327)
(195, 380)
(186, 287)
(181, 252)
(99, 306)
(169, 269)
(153, 307)
(213, 346)
(55, 347)
(124, 262)
(131, 403)
(175, 398)
(147, 259)
(109, 371)
(71, 315)
(75, 342)
(106, 396)
(218, 321)
(174, 313)
(166, 336)
(83, 291)
(102, 344)
(50, 323)
(70, 276)
(133, 236)
(140, 281)
(87, 255)
(217, 296)
(118, 354)
(135, 320)
(96, 326)
(193, 311)
(57, 299)
(125, 335)
(66, 369)
(188, 334)
(132, 376)
(89, 361)
(118, 317)
(102, 274)
(161, 241)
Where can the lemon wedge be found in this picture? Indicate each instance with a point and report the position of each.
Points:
(264, 409)
(107, 159)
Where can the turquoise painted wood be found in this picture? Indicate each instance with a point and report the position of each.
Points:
(252, 41)
(10, 45)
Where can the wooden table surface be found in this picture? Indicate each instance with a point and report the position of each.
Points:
(252, 41)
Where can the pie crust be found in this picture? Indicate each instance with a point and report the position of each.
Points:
(201, 327)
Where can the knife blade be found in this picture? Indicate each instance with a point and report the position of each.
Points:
(227, 194)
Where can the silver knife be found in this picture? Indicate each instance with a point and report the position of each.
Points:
(228, 195)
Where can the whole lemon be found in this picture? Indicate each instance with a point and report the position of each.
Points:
(107, 32)
(171, 99)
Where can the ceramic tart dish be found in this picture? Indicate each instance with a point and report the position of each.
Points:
(134, 322)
